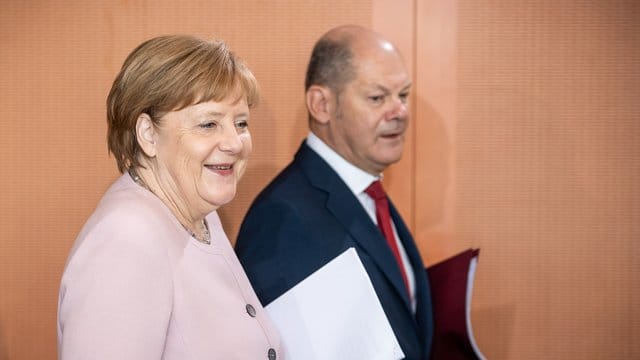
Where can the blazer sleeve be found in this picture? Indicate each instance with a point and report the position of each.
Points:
(116, 292)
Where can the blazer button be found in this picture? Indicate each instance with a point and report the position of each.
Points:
(251, 310)
(272, 354)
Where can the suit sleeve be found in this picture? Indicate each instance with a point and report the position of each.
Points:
(116, 294)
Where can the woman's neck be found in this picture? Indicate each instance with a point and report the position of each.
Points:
(194, 223)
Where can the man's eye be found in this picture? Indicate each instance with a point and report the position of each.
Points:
(242, 124)
(404, 97)
(376, 98)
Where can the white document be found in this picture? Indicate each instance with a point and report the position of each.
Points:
(335, 314)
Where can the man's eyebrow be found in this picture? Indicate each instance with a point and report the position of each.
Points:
(386, 90)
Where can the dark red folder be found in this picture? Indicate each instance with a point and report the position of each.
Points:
(451, 283)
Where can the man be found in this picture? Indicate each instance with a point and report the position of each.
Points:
(357, 88)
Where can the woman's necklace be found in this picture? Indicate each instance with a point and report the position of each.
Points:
(205, 238)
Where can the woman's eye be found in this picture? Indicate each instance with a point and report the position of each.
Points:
(208, 125)
(242, 124)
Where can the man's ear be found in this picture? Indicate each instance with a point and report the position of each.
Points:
(320, 103)
(146, 135)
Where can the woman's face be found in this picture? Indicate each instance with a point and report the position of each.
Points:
(201, 153)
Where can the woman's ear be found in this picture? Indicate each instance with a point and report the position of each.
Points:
(320, 103)
(146, 135)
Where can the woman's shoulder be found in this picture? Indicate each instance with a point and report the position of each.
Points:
(127, 215)
(126, 201)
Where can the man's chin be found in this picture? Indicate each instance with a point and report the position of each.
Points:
(390, 159)
(393, 150)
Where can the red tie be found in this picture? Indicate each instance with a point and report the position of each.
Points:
(376, 192)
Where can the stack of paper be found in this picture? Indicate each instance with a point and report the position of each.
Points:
(334, 314)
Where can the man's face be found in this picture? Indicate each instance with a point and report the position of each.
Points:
(371, 114)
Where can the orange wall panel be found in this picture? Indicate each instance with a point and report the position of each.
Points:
(523, 142)
(547, 176)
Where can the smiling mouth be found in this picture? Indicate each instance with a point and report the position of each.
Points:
(220, 167)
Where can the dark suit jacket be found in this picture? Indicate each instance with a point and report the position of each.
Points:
(306, 217)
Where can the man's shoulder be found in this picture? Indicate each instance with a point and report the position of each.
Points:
(290, 178)
(291, 184)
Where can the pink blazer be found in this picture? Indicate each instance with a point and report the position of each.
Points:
(137, 286)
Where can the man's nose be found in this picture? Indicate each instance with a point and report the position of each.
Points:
(399, 110)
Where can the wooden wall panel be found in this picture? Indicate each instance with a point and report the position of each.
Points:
(548, 175)
(436, 59)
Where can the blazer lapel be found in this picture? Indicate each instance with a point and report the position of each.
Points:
(349, 212)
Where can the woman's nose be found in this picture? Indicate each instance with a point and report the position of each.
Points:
(231, 141)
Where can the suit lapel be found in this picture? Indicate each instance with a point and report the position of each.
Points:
(349, 212)
(423, 313)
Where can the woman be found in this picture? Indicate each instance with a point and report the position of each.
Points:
(152, 274)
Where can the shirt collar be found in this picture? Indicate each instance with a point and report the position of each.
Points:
(357, 180)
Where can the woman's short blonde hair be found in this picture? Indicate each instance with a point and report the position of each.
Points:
(169, 73)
